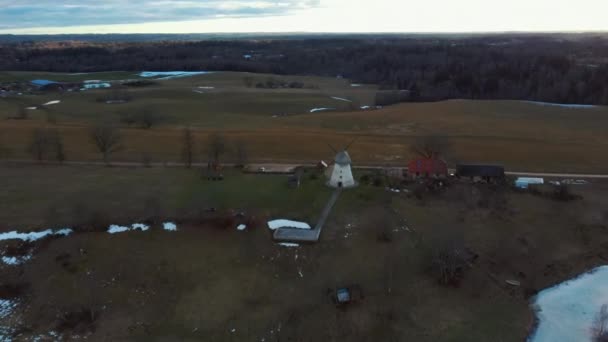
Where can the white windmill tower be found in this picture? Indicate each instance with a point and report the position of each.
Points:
(341, 175)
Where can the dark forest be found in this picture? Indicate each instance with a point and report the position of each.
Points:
(554, 68)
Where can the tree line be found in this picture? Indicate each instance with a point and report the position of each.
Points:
(553, 68)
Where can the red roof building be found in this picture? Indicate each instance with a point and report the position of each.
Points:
(428, 167)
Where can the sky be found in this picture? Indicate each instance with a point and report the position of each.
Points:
(340, 16)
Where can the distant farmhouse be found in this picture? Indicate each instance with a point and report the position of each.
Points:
(46, 85)
(488, 173)
(428, 167)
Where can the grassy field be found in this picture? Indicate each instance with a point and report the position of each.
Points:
(276, 124)
(223, 285)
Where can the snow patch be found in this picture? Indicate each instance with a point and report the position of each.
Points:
(206, 87)
(241, 227)
(289, 245)
(566, 311)
(355, 85)
(114, 229)
(341, 99)
(563, 105)
(168, 75)
(33, 236)
(14, 261)
(314, 110)
(31, 108)
(6, 308)
(50, 103)
(170, 226)
(276, 224)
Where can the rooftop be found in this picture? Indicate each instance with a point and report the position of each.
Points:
(342, 158)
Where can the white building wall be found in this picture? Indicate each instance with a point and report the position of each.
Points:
(342, 175)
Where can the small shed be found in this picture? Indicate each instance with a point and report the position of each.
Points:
(525, 182)
(428, 167)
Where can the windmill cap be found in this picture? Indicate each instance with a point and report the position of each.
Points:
(343, 158)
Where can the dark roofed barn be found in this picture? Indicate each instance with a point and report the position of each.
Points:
(486, 172)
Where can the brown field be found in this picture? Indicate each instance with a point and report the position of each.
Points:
(522, 136)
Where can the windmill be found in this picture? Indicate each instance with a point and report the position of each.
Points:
(341, 173)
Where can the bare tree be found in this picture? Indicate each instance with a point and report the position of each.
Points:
(187, 147)
(39, 144)
(3, 149)
(217, 147)
(22, 114)
(599, 329)
(148, 118)
(242, 155)
(107, 139)
(449, 261)
(431, 146)
(56, 142)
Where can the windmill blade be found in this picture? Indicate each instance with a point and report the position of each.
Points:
(333, 149)
(351, 144)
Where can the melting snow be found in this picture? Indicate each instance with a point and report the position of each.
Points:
(276, 224)
(561, 104)
(33, 236)
(241, 227)
(341, 99)
(167, 75)
(113, 229)
(140, 226)
(290, 245)
(13, 261)
(566, 311)
(314, 110)
(6, 308)
(52, 103)
(31, 108)
(170, 226)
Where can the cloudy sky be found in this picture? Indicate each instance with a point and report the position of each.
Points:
(212, 16)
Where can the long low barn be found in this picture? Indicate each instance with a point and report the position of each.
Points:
(479, 170)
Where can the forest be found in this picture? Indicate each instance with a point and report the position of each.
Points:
(562, 68)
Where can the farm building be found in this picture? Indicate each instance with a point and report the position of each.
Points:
(428, 167)
(481, 172)
(97, 85)
(46, 85)
(525, 182)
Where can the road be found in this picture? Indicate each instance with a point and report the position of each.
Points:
(294, 164)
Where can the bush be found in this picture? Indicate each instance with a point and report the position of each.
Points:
(378, 181)
(365, 179)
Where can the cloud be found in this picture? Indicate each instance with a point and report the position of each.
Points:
(64, 13)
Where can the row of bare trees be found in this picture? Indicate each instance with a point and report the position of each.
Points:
(46, 144)
(216, 148)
